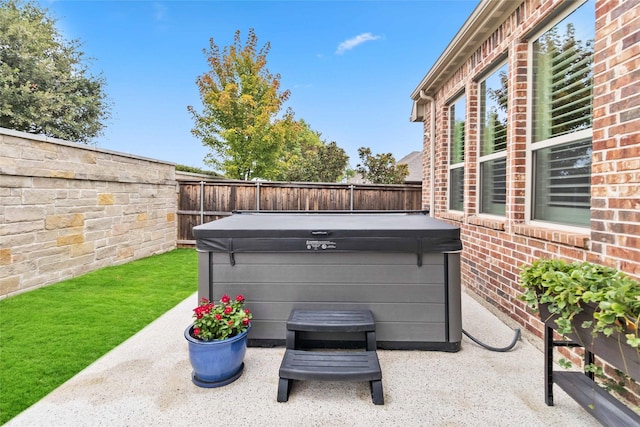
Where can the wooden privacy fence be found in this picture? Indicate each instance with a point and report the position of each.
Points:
(203, 201)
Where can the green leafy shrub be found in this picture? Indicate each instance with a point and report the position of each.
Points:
(567, 288)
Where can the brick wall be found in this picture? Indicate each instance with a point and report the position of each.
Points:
(615, 179)
(67, 209)
(496, 248)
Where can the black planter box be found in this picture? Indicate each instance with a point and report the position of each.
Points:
(613, 349)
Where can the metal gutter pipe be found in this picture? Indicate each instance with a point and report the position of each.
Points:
(432, 162)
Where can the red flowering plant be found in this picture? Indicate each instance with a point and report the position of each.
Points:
(222, 320)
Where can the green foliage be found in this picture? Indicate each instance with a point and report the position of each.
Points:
(327, 163)
(220, 320)
(52, 333)
(45, 85)
(242, 125)
(566, 288)
(241, 100)
(608, 383)
(192, 169)
(307, 158)
(565, 363)
(348, 173)
(381, 168)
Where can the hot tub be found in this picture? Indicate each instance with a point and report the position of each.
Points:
(404, 267)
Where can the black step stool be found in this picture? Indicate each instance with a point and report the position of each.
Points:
(331, 365)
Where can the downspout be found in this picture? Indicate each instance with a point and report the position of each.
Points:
(431, 136)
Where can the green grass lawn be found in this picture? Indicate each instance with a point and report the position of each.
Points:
(49, 334)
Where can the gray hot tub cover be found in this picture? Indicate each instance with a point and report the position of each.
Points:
(335, 232)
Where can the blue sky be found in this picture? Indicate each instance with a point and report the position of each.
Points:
(350, 65)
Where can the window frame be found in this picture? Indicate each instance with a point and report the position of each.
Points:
(550, 142)
(459, 165)
(496, 155)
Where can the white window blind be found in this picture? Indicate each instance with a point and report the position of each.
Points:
(563, 69)
(457, 124)
(563, 183)
(493, 195)
(493, 142)
(562, 119)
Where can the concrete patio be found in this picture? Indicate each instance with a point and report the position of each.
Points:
(146, 381)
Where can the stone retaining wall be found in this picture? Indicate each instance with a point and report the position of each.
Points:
(67, 209)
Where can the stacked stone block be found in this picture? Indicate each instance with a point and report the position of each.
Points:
(67, 209)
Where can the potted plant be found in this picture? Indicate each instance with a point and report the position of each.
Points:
(593, 305)
(218, 341)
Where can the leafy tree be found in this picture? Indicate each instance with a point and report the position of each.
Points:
(307, 158)
(299, 138)
(381, 168)
(241, 101)
(348, 173)
(45, 85)
(328, 162)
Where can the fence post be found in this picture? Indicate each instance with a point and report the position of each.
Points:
(257, 195)
(351, 197)
(201, 202)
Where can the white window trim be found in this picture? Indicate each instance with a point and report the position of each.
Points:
(562, 139)
(531, 146)
(488, 157)
(492, 156)
(459, 164)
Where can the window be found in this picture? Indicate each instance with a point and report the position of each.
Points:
(562, 114)
(493, 142)
(562, 175)
(456, 154)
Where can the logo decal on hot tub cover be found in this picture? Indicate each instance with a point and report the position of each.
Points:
(320, 244)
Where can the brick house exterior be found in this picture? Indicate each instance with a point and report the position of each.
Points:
(501, 33)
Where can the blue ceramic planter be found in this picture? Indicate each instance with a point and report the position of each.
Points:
(216, 363)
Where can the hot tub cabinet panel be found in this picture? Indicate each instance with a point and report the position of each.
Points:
(405, 268)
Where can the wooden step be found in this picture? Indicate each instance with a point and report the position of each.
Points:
(330, 366)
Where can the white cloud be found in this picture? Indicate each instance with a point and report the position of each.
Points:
(159, 11)
(355, 41)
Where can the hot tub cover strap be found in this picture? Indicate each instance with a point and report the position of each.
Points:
(232, 258)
